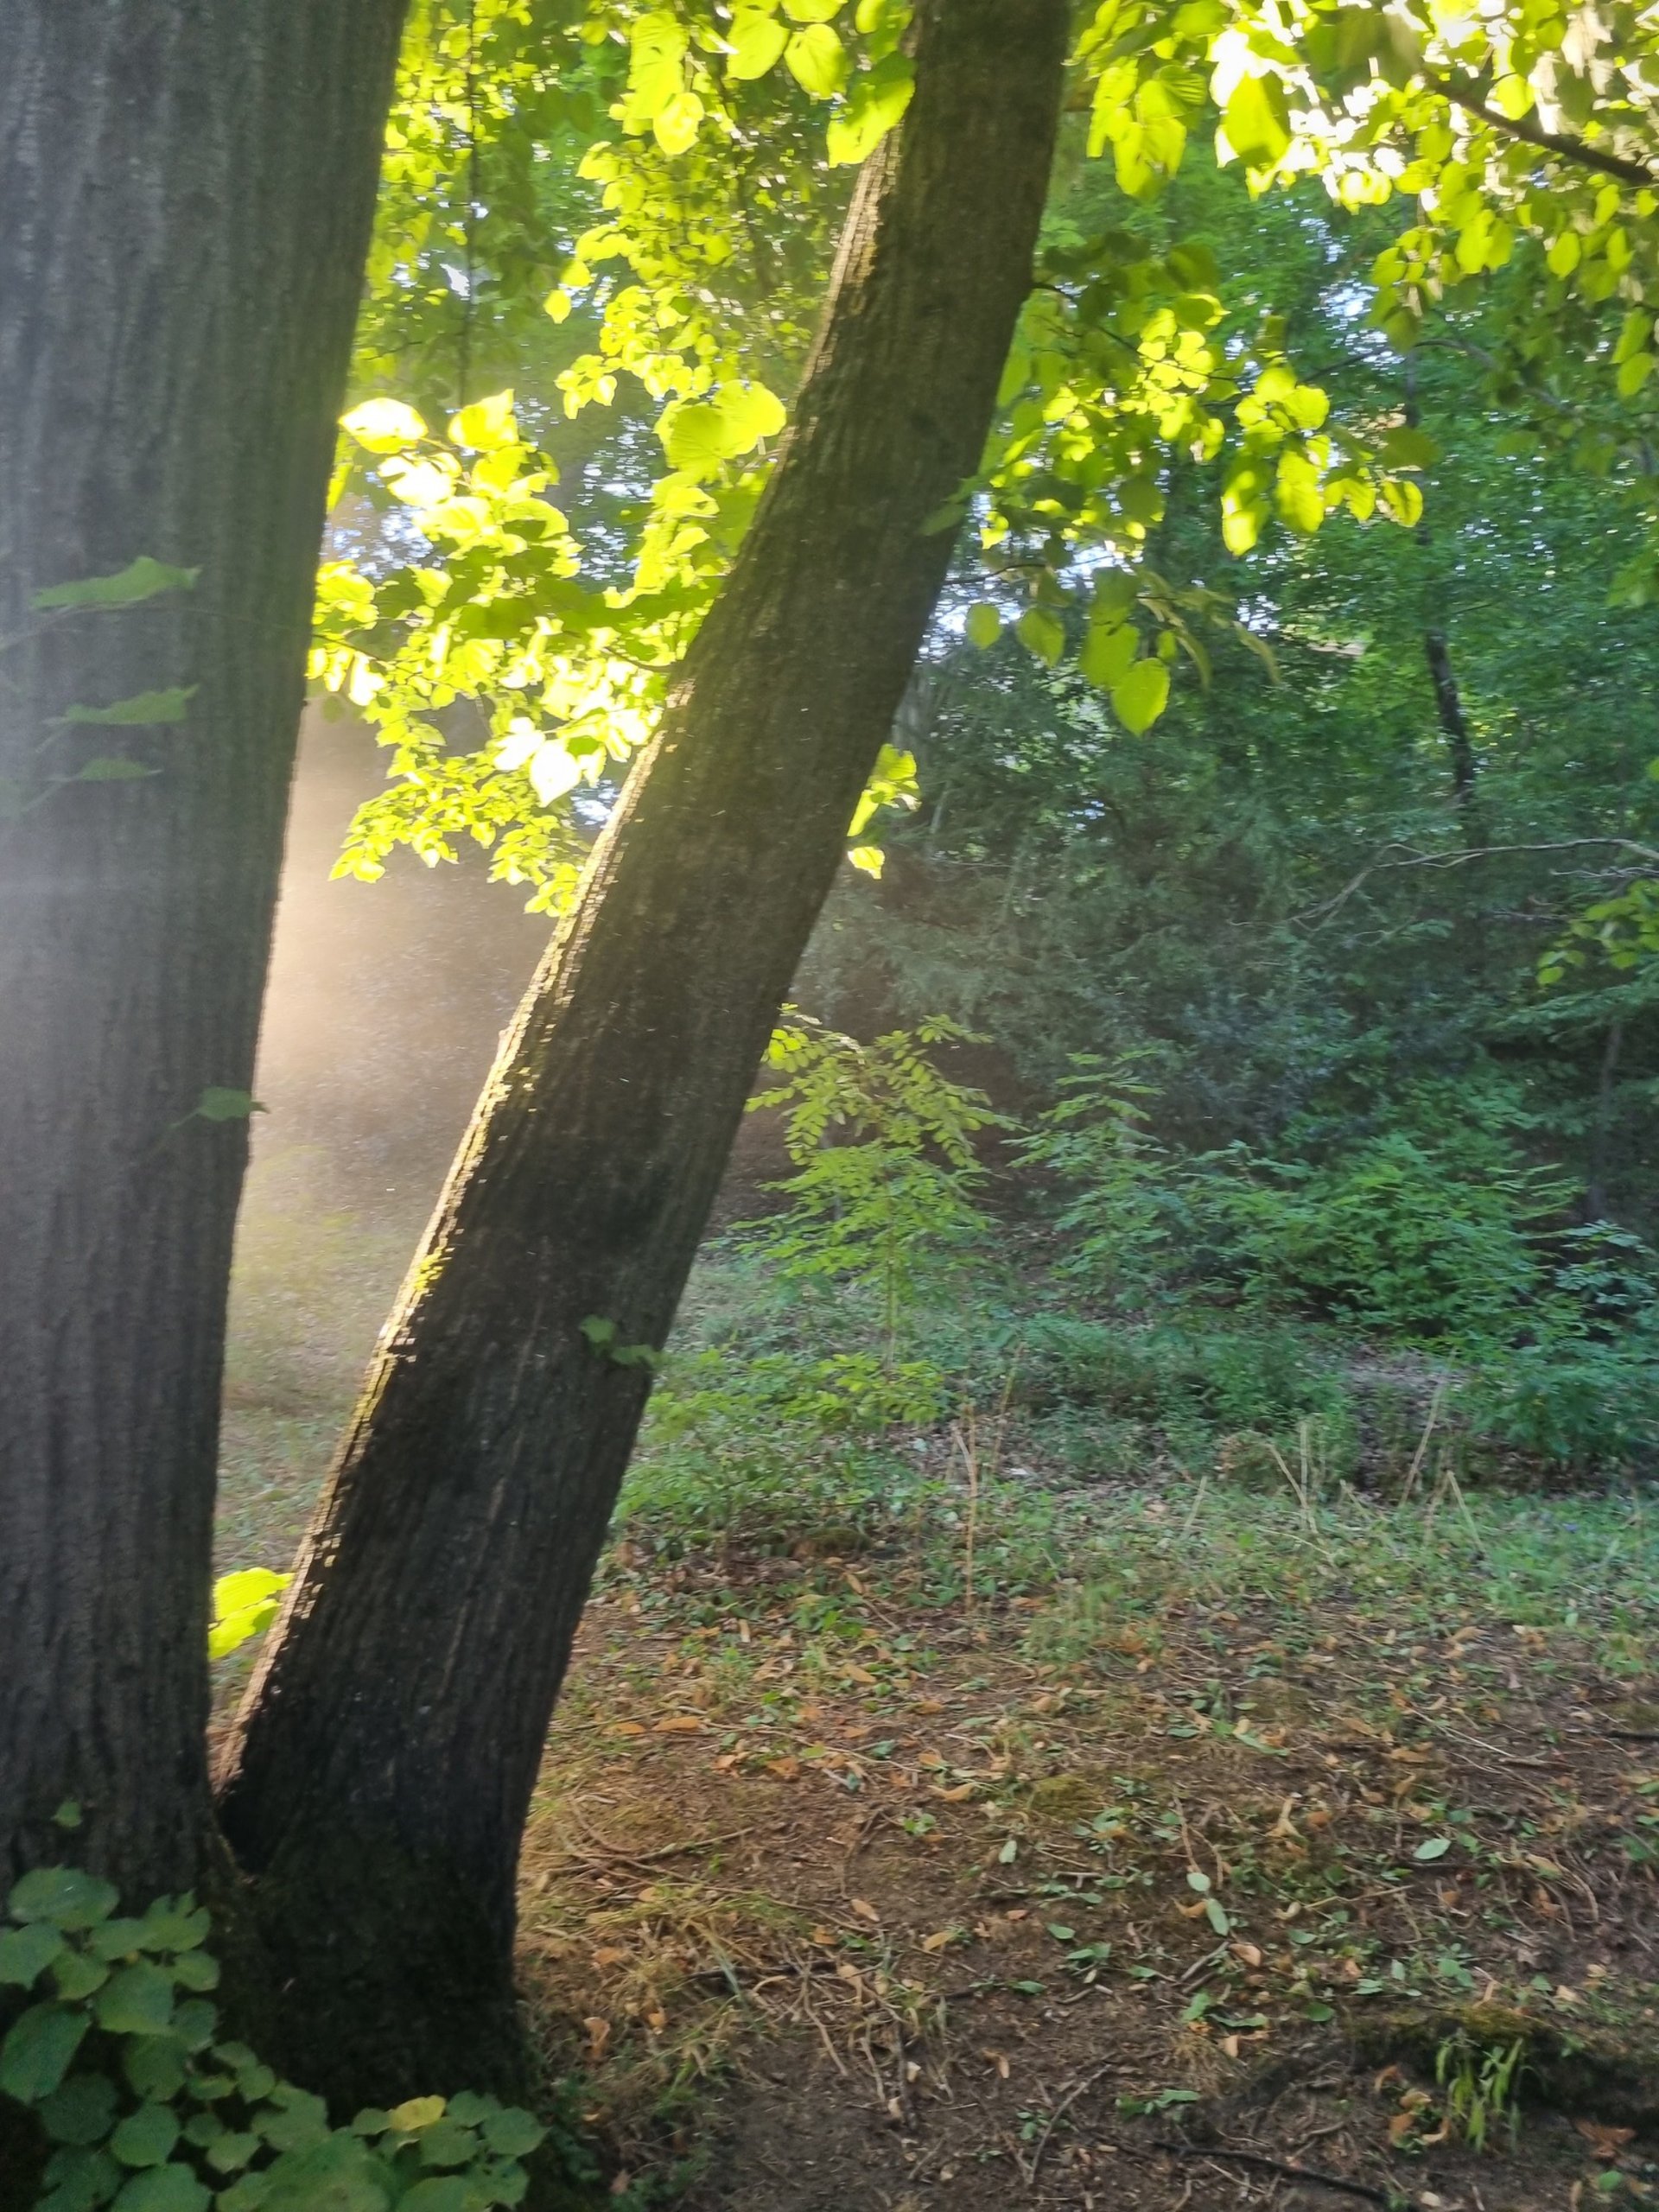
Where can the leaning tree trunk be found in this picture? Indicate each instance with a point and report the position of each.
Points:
(186, 195)
(391, 1738)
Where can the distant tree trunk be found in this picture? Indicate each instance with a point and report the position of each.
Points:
(1601, 1134)
(186, 196)
(391, 1740)
(1454, 727)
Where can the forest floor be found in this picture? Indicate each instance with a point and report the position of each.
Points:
(1228, 1847)
(837, 1897)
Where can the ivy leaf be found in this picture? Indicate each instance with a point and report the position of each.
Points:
(512, 2133)
(140, 579)
(144, 708)
(817, 61)
(384, 425)
(114, 769)
(146, 2137)
(26, 1952)
(137, 2001)
(62, 1894)
(757, 43)
(1140, 695)
(79, 2111)
(168, 2188)
(36, 2054)
(217, 1104)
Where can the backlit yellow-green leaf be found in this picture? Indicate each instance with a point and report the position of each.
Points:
(487, 424)
(1108, 652)
(875, 103)
(757, 43)
(1140, 695)
(817, 61)
(384, 425)
(675, 122)
(983, 624)
(1043, 633)
(869, 858)
(812, 11)
(1256, 121)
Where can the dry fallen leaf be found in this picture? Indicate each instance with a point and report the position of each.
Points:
(956, 1796)
(785, 1770)
(1604, 2142)
(610, 1956)
(627, 1728)
(999, 2059)
(865, 1910)
(599, 2034)
(937, 1942)
(681, 1724)
(1249, 1952)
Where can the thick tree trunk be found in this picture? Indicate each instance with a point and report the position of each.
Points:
(390, 1742)
(187, 192)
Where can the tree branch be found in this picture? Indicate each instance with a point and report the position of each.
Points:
(1463, 95)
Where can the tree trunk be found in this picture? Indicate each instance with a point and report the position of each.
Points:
(391, 1740)
(1454, 727)
(187, 193)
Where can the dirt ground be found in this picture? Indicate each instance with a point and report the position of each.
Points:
(835, 1899)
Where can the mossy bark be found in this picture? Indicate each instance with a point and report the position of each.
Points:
(385, 1758)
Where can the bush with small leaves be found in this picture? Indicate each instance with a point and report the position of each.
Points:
(119, 2057)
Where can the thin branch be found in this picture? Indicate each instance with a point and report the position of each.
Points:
(1288, 2166)
(1465, 95)
(1320, 914)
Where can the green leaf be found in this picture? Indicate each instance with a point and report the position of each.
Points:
(757, 43)
(1198, 1881)
(218, 1105)
(146, 2137)
(447, 2142)
(878, 98)
(1042, 633)
(1257, 121)
(983, 624)
(179, 1923)
(68, 1814)
(140, 579)
(79, 2110)
(77, 1975)
(817, 61)
(384, 425)
(337, 2174)
(111, 769)
(80, 2179)
(675, 123)
(812, 11)
(63, 1894)
(511, 2135)
(1108, 653)
(1436, 1847)
(1216, 1916)
(228, 2154)
(142, 710)
(168, 2188)
(36, 2054)
(451, 2193)
(154, 2065)
(26, 1952)
(485, 424)
(137, 2001)
(1140, 695)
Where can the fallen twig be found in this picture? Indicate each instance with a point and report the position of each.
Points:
(1286, 2166)
(1059, 2111)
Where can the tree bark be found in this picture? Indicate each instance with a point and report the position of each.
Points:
(391, 1741)
(187, 193)
(1454, 727)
